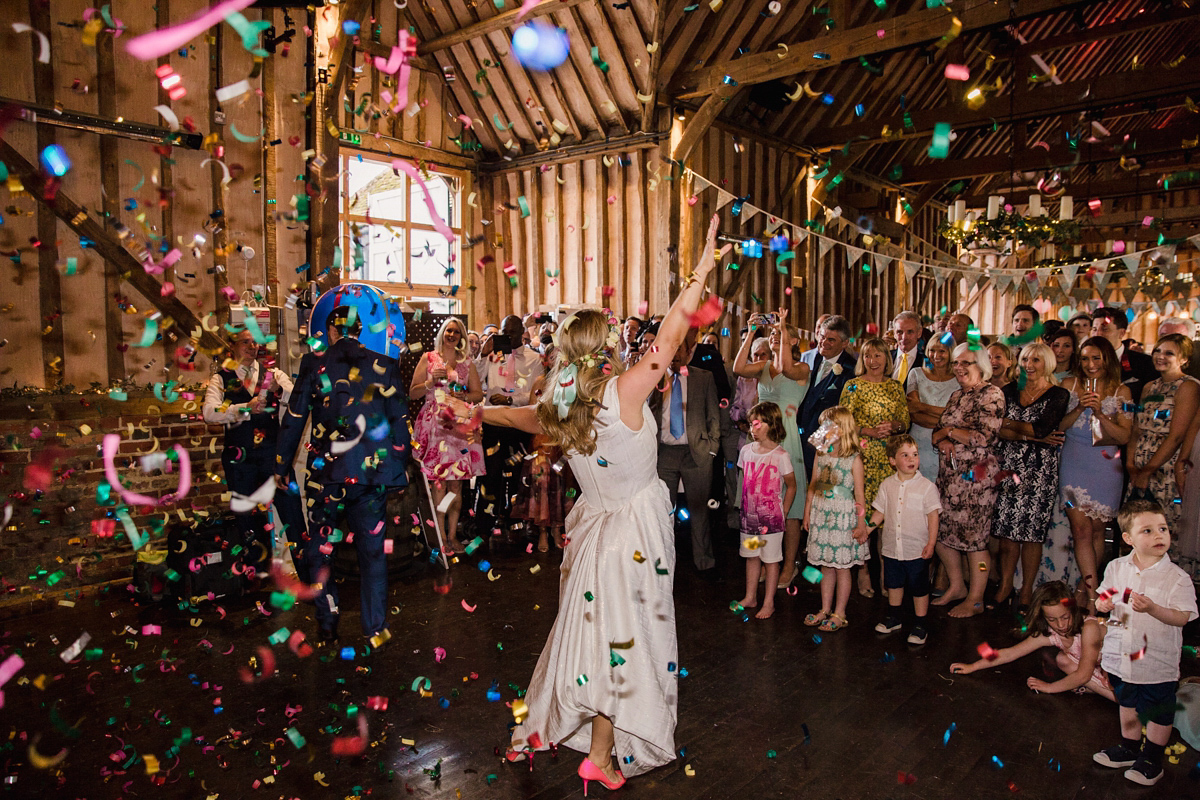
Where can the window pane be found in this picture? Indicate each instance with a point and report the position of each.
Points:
(374, 189)
(439, 191)
(439, 305)
(429, 258)
(383, 251)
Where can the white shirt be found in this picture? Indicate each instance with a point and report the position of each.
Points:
(236, 413)
(1128, 631)
(664, 419)
(905, 506)
(526, 366)
(912, 361)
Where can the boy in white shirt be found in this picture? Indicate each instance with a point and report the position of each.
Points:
(1150, 600)
(907, 504)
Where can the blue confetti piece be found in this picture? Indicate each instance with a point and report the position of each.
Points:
(887, 658)
(946, 738)
(347, 654)
(484, 566)
(443, 702)
(807, 736)
(683, 672)
(816, 638)
(493, 696)
(670, 666)
(683, 515)
(996, 760)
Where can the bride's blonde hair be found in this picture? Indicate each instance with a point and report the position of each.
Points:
(585, 341)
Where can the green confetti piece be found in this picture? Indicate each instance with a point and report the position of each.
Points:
(581, 680)
(279, 637)
(940, 148)
(55, 578)
(282, 600)
(589, 596)
(614, 659)
(296, 738)
(772, 753)
(603, 65)
(524, 206)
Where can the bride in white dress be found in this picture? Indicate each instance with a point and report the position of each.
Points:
(606, 682)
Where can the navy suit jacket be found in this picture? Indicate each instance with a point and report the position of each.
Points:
(1137, 369)
(337, 387)
(823, 395)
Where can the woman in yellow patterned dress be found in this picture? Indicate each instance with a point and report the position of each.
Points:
(880, 408)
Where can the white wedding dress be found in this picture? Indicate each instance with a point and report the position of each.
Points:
(622, 553)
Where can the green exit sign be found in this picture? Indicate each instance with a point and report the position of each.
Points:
(350, 136)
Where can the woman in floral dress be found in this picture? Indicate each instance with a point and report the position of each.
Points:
(1028, 480)
(965, 437)
(447, 457)
(880, 408)
(1168, 405)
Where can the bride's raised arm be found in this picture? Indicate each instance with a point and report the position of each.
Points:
(635, 384)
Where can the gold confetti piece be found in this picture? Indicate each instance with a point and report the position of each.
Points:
(638, 557)
(85, 429)
(535, 569)
(652, 47)
(519, 710)
(687, 770)
(151, 763)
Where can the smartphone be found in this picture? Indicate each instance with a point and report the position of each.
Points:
(773, 318)
(501, 344)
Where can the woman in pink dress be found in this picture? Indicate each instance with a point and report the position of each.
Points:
(447, 456)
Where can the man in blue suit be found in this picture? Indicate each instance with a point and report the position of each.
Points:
(359, 449)
(832, 365)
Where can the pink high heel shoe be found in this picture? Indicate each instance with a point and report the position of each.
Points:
(590, 772)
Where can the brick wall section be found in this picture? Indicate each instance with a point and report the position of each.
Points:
(51, 531)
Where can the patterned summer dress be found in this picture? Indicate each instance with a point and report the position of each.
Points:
(966, 519)
(832, 518)
(872, 404)
(1024, 509)
(445, 454)
(1153, 425)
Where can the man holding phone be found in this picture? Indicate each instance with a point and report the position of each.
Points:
(511, 375)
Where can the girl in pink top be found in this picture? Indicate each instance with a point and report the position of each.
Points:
(1055, 620)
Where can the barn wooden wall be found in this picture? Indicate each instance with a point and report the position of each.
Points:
(597, 233)
(110, 175)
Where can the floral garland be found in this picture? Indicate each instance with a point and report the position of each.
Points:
(1028, 231)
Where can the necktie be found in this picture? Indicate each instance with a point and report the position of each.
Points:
(677, 407)
(823, 372)
(902, 373)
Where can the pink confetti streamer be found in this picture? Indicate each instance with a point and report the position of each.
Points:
(957, 72)
(160, 42)
(412, 172)
(112, 442)
(525, 8)
(397, 62)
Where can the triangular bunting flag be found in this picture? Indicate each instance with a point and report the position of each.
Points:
(1131, 263)
(1033, 282)
(911, 268)
(724, 198)
(823, 245)
(882, 262)
(799, 235)
(749, 211)
(1128, 292)
(1003, 281)
(1081, 293)
(1069, 272)
(1100, 276)
(939, 276)
(853, 254)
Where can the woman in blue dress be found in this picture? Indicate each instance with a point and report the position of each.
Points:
(782, 380)
(1096, 425)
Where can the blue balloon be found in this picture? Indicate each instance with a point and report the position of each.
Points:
(376, 311)
(539, 45)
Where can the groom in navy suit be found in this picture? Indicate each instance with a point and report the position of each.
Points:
(358, 452)
(830, 366)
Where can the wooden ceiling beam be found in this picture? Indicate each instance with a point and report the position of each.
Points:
(1140, 22)
(913, 29)
(499, 22)
(1144, 144)
(699, 124)
(1137, 86)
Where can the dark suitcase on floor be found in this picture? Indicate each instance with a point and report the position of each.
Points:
(210, 559)
(151, 575)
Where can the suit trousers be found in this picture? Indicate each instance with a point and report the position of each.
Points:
(244, 477)
(676, 462)
(501, 479)
(358, 510)
(730, 436)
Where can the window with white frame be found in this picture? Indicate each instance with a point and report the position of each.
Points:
(388, 234)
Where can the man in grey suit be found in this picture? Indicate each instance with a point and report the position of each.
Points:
(689, 434)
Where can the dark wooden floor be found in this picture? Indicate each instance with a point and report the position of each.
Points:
(843, 716)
